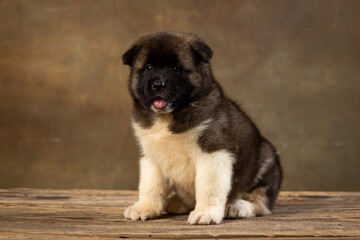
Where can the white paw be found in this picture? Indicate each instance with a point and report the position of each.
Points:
(240, 209)
(138, 212)
(208, 216)
(243, 209)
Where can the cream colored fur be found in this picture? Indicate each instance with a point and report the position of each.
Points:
(243, 209)
(175, 161)
(248, 205)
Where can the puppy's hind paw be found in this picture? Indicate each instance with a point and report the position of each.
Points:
(244, 209)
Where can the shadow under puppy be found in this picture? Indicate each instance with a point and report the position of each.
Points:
(199, 151)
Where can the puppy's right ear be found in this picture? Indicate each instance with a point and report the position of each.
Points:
(129, 55)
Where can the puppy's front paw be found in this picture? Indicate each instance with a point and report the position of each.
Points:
(208, 216)
(139, 212)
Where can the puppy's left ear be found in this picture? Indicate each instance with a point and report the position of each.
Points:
(130, 55)
(201, 51)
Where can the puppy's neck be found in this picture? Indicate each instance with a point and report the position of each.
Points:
(164, 118)
(198, 111)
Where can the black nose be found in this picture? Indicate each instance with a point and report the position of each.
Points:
(158, 84)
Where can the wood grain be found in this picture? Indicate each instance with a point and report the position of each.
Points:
(83, 214)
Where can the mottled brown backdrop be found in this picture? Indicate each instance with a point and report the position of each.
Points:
(65, 111)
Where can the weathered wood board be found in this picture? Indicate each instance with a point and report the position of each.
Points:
(83, 214)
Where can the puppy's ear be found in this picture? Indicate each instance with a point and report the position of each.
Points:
(129, 55)
(201, 51)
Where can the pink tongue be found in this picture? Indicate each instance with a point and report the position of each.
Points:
(159, 102)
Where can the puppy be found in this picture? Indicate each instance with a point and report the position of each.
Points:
(199, 151)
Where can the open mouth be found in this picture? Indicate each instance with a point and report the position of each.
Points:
(161, 103)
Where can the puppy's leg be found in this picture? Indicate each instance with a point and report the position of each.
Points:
(152, 193)
(213, 183)
(261, 199)
(248, 205)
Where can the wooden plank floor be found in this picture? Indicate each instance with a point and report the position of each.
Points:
(83, 214)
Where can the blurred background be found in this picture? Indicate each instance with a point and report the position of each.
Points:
(65, 111)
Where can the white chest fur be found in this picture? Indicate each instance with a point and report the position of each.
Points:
(175, 154)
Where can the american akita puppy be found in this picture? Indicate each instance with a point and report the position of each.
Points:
(200, 151)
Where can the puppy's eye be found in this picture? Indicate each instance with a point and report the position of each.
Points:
(175, 69)
(148, 67)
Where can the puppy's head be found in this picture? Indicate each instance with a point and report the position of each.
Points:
(168, 69)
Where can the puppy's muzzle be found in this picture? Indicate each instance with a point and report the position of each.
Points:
(158, 84)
